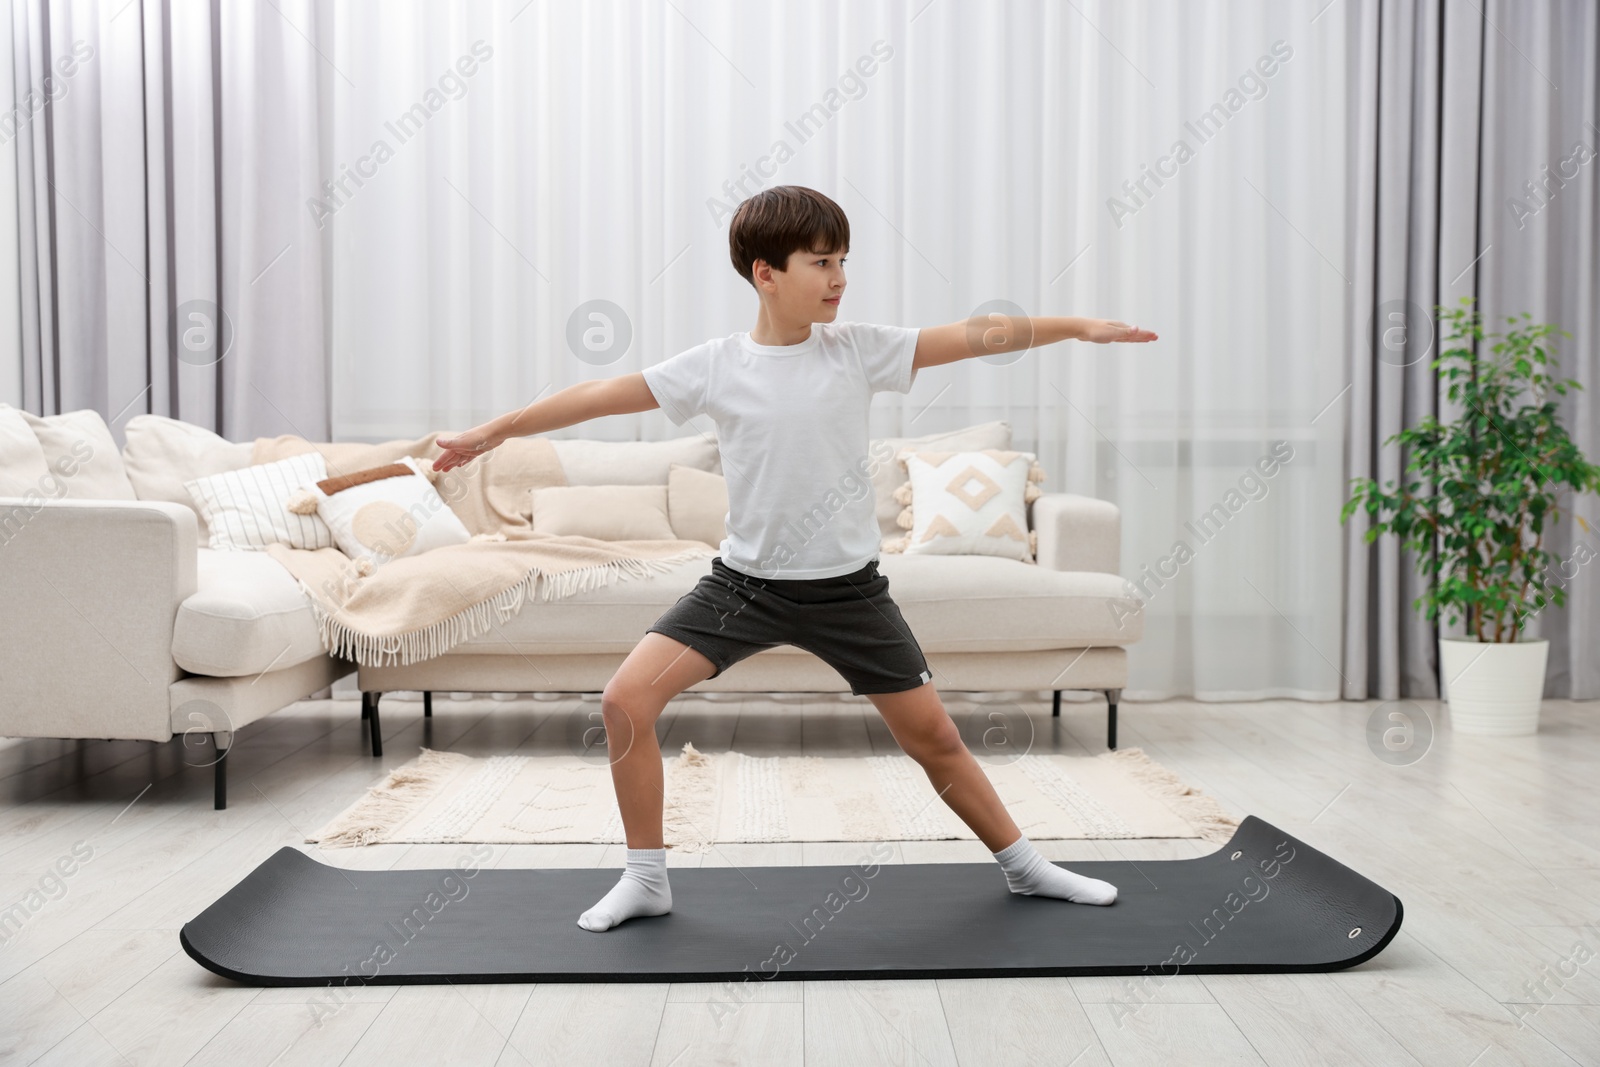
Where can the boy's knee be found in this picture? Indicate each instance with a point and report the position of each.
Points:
(939, 741)
(626, 701)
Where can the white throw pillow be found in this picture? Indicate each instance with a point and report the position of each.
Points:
(889, 474)
(162, 454)
(78, 446)
(588, 462)
(247, 509)
(603, 512)
(390, 515)
(697, 505)
(968, 503)
(22, 466)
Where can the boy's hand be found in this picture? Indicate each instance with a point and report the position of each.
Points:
(463, 448)
(1102, 331)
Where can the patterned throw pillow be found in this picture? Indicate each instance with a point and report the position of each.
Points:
(889, 473)
(247, 509)
(967, 503)
(383, 513)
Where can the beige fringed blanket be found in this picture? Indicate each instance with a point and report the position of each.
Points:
(418, 607)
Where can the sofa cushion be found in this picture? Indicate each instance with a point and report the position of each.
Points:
(952, 604)
(161, 454)
(603, 512)
(22, 466)
(890, 475)
(697, 505)
(79, 447)
(589, 462)
(247, 615)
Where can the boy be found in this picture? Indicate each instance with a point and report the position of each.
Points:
(790, 402)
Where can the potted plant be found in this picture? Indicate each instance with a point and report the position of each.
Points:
(1479, 494)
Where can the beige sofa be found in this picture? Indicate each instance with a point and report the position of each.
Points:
(120, 625)
(132, 628)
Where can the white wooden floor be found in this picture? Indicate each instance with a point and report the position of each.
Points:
(1493, 845)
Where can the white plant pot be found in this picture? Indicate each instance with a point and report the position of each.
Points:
(1494, 689)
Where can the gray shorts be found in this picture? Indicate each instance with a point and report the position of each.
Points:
(847, 621)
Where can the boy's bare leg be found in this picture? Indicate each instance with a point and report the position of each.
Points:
(923, 728)
(658, 669)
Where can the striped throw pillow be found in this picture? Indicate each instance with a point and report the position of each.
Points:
(247, 509)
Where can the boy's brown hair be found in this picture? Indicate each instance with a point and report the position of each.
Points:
(781, 220)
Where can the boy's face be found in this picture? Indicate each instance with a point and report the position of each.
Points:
(810, 286)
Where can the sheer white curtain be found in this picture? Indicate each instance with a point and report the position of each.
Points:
(984, 152)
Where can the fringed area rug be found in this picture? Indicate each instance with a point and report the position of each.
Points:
(442, 797)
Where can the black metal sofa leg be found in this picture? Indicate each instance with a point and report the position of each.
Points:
(427, 703)
(219, 772)
(1112, 697)
(369, 711)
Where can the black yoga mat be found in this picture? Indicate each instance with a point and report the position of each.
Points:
(1266, 902)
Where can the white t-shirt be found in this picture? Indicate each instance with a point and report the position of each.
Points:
(792, 428)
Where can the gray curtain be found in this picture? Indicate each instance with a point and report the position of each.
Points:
(1469, 184)
(164, 153)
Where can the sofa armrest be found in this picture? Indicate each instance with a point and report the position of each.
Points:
(92, 588)
(1078, 533)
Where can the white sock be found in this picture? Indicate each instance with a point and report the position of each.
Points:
(642, 890)
(1029, 873)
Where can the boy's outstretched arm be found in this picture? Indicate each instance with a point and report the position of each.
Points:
(576, 403)
(984, 335)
